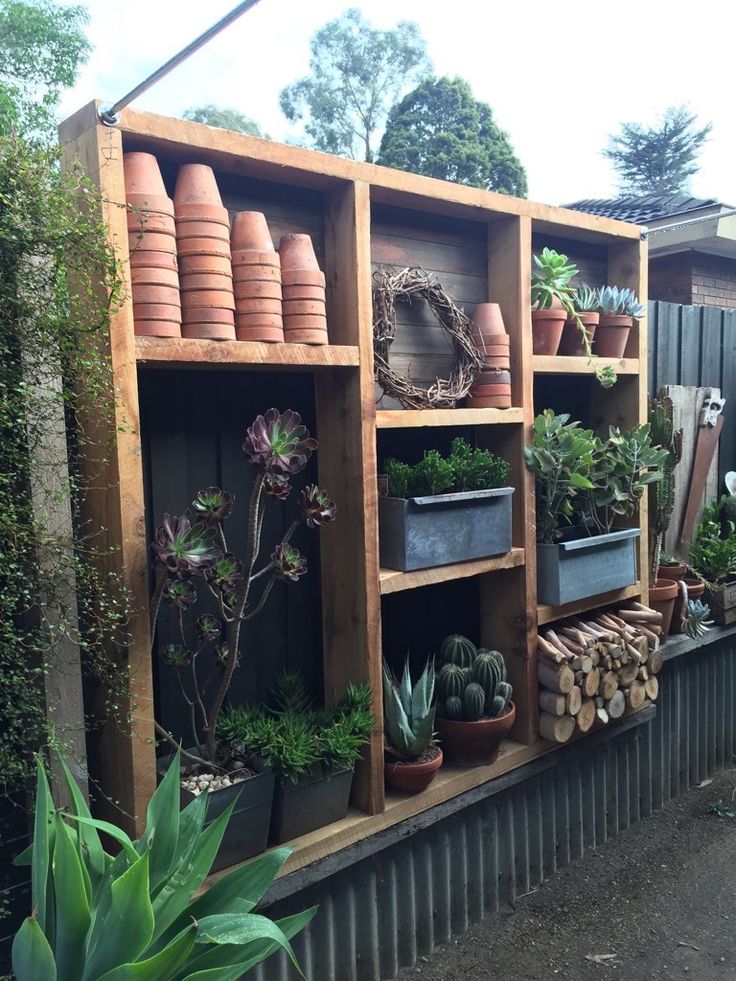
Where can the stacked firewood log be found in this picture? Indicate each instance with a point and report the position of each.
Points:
(595, 667)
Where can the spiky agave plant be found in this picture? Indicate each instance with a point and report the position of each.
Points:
(408, 711)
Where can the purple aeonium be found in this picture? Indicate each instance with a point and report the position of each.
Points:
(180, 593)
(315, 507)
(289, 563)
(175, 655)
(225, 572)
(279, 443)
(208, 627)
(212, 505)
(185, 549)
(277, 485)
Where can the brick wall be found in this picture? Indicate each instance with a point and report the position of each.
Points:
(693, 278)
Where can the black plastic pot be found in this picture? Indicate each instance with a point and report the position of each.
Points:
(319, 798)
(247, 832)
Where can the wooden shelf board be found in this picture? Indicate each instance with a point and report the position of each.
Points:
(413, 418)
(560, 365)
(546, 614)
(393, 581)
(184, 352)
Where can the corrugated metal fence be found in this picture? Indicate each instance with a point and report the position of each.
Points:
(696, 346)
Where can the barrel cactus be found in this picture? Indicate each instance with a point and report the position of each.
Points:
(453, 707)
(474, 701)
(500, 702)
(457, 649)
(476, 689)
(451, 681)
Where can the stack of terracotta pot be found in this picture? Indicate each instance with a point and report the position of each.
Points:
(305, 313)
(257, 280)
(152, 243)
(203, 242)
(492, 388)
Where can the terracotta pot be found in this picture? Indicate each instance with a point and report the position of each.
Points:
(144, 259)
(493, 378)
(483, 391)
(206, 281)
(157, 328)
(304, 307)
(411, 777)
(571, 344)
(256, 290)
(150, 221)
(202, 212)
(474, 743)
(695, 590)
(250, 231)
(204, 246)
(494, 351)
(156, 294)
(196, 184)
(674, 572)
(305, 336)
(157, 311)
(142, 175)
(209, 332)
(151, 242)
(151, 204)
(258, 305)
(203, 264)
(297, 252)
(202, 229)
(204, 299)
(488, 318)
(304, 292)
(306, 322)
(254, 320)
(662, 596)
(302, 277)
(266, 335)
(148, 276)
(257, 274)
(497, 363)
(547, 330)
(612, 336)
(255, 257)
(207, 315)
(489, 402)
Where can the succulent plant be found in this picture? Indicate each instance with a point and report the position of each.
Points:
(226, 571)
(408, 710)
(631, 305)
(552, 274)
(175, 655)
(585, 298)
(696, 620)
(465, 468)
(289, 563)
(489, 671)
(474, 702)
(457, 649)
(213, 505)
(208, 627)
(477, 690)
(183, 548)
(279, 443)
(451, 680)
(277, 485)
(622, 302)
(180, 593)
(662, 492)
(315, 507)
(452, 707)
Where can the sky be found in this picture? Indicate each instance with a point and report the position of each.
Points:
(559, 76)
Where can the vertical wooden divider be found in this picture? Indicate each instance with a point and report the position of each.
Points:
(123, 757)
(346, 417)
(509, 598)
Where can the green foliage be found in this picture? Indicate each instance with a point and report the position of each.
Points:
(42, 48)
(408, 710)
(440, 130)
(585, 298)
(662, 492)
(552, 276)
(658, 159)
(356, 74)
(465, 469)
(458, 650)
(223, 117)
(134, 915)
(713, 551)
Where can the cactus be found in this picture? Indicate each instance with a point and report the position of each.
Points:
(451, 681)
(662, 492)
(489, 670)
(474, 701)
(457, 649)
(453, 707)
(500, 703)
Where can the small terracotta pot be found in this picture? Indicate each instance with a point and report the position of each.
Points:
(305, 336)
(258, 305)
(201, 229)
(474, 743)
(207, 315)
(483, 391)
(547, 330)
(571, 344)
(204, 264)
(157, 328)
(196, 184)
(489, 402)
(304, 292)
(306, 322)
(157, 311)
(142, 175)
(259, 321)
(150, 221)
(497, 363)
(250, 232)
(265, 335)
(612, 336)
(257, 274)
(144, 259)
(205, 281)
(257, 290)
(494, 350)
(151, 242)
(199, 299)
(297, 252)
(147, 276)
(304, 307)
(493, 378)
(674, 572)
(151, 204)
(202, 212)
(695, 590)
(662, 596)
(156, 294)
(302, 277)
(411, 777)
(488, 318)
(204, 246)
(209, 332)
(255, 257)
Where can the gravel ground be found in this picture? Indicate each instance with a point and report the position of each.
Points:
(656, 903)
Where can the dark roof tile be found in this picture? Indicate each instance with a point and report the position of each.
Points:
(641, 209)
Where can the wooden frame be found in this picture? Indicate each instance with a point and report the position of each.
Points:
(347, 420)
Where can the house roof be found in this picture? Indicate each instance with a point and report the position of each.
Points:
(644, 209)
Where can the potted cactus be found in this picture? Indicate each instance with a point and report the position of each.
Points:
(412, 756)
(475, 711)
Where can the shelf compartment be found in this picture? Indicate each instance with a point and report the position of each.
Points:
(393, 581)
(418, 418)
(559, 365)
(547, 614)
(186, 352)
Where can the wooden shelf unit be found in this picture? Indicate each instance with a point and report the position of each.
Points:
(355, 201)
(557, 365)
(548, 614)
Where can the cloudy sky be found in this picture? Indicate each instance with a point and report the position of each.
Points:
(560, 77)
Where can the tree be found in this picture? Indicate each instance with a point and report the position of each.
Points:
(658, 159)
(224, 118)
(440, 130)
(42, 48)
(356, 74)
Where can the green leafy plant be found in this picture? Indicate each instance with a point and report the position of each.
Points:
(713, 550)
(475, 689)
(585, 298)
(136, 914)
(662, 492)
(408, 711)
(466, 468)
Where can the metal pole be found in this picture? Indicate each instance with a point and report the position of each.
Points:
(110, 116)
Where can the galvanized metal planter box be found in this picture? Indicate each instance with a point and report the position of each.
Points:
(422, 532)
(572, 570)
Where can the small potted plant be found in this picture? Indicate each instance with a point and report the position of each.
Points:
(618, 309)
(412, 756)
(713, 557)
(580, 326)
(475, 711)
(445, 509)
(552, 299)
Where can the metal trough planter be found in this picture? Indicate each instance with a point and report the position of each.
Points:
(572, 570)
(422, 532)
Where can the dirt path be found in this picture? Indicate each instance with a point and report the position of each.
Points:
(661, 897)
